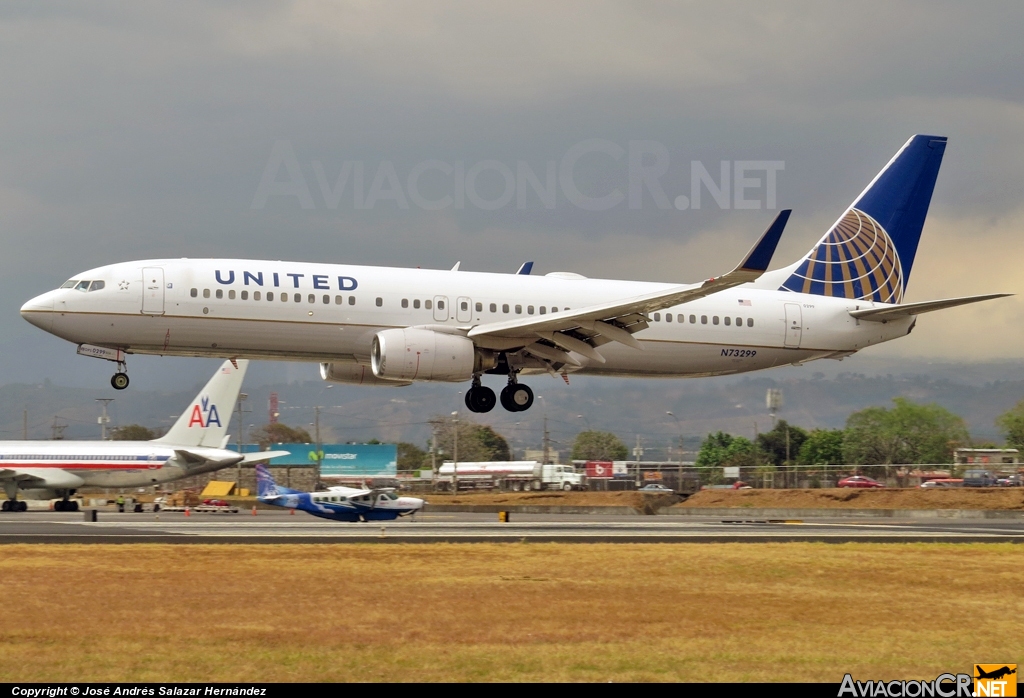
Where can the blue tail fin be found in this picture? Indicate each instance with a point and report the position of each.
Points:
(265, 485)
(869, 252)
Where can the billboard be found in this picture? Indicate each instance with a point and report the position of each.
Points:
(340, 460)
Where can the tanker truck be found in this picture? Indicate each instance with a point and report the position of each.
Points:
(521, 475)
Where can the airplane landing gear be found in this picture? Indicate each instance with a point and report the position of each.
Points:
(516, 397)
(480, 398)
(14, 505)
(119, 380)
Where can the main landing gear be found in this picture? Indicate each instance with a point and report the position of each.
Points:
(14, 505)
(515, 397)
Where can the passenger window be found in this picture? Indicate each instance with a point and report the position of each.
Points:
(668, 317)
(693, 319)
(657, 317)
(231, 294)
(206, 293)
(463, 305)
(194, 292)
(529, 310)
(494, 307)
(416, 303)
(680, 318)
(440, 305)
(543, 310)
(220, 293)
(351, 300)
(405, 302)
(519, 310)
(554, 309)
(284, 297)
(245, 295)
(311, 298)
(703, 319)
(327, 299)
(337, 300)
(504, 307)
(379, 302)
(739, 322)
(728, 320)
(428, 304)
(255, 295)
(297, 298)
(479, 307)
(270, 295)
(714, 320)
(750, 322)
(96, 286)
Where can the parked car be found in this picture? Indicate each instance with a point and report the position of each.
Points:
(979, 478)
(1011, 481)
(942, 482)
(655, 487)
(859, 481)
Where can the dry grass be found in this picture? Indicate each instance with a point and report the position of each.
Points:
(888, 498)
(561, 612)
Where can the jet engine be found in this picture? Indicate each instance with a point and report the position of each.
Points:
(415, 354)
(355, 374)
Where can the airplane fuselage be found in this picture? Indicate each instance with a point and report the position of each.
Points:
(331, 312)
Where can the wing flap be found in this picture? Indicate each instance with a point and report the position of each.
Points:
(894, 312)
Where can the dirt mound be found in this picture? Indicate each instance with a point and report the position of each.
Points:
(953, 498)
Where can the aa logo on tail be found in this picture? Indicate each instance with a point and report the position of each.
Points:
(204, 414)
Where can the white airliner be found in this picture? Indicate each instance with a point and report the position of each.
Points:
(195, 444)
(388, 326)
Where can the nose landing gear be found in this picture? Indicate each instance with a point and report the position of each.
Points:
(119, 381)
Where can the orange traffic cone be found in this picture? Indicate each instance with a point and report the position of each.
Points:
(188, 512)
(292, 511)
(254, 510)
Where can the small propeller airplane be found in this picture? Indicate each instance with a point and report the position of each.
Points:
(337, 503)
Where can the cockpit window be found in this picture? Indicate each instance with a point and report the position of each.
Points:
(82, 286)
(70, 283)
(96, 286)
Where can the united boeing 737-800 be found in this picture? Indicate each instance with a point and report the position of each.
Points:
(388, 326)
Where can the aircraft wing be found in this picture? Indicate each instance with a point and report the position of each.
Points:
(582, 329)
(40, 477)
(894, 312)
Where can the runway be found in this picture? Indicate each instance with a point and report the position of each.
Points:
(270, 527)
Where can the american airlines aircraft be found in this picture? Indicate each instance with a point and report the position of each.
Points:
(195, 444)
(388, 326)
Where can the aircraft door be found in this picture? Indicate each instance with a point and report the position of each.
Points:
(440, 308)
(794, 325)
(464, 309)
(153, 290)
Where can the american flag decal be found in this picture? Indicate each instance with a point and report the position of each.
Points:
(743, 302)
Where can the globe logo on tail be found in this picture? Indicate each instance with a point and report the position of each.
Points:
(856, 259)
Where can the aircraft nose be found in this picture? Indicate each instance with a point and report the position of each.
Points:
(39, 311)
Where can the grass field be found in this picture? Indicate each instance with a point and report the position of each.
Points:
(481, 612)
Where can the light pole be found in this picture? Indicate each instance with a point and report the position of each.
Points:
(679, 475)
(103, 419)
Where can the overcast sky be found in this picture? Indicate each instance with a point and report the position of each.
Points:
(139, 130)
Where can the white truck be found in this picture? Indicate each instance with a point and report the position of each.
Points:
(521, 475)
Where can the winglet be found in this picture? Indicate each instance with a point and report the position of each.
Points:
(525, 269)
(457, 265)
(760, 255)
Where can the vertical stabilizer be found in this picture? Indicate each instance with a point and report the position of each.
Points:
(869, 252)
(205, 422)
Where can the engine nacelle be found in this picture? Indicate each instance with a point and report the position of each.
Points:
(355, 374)
(414, 354)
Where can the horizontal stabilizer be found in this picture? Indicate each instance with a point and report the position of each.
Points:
(893, 312)
(259, 456)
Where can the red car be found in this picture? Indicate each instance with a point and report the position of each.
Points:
(859, 481)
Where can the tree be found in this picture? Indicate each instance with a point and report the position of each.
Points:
(132, 432)
(907, 433)
(410, 456)
(476, 442)
(723, 450)
(278, 433)
(822, 447)
(1011, 423)
(598, 445)
(773, 443)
